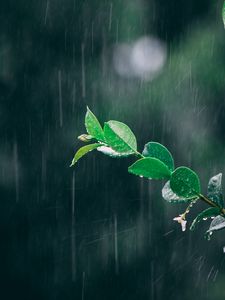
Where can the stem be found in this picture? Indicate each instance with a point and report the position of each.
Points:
(139, 154)
(188, 209)
(209, 202)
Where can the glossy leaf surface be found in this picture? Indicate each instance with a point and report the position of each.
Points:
(156, 150)
(171, 197)
(151, 168)
(93, 126)
(84, 150)
(120, 137)
(185, 183)
(112, 153)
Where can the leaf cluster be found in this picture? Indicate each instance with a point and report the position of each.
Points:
(117, 140)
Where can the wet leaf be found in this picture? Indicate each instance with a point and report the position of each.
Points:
(93, 126)
(215, 189)
(207, 213)
(112, 153)
(171, 197)
(120, 137)
(151, 168)
(156, 150)
(217, 224)
(185, 183)
(82, 151)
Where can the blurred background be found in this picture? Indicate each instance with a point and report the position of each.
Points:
(95, 231)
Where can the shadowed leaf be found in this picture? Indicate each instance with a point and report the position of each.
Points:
(214, 191)
(217, 224)
(207, 213)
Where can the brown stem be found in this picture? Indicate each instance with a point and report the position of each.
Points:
(209, 202)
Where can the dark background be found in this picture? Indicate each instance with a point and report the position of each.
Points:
(96, 232)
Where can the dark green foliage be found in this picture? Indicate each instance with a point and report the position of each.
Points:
(150, 168)
(172, 197)
(204, 215)
(153, 149)
(185, 183)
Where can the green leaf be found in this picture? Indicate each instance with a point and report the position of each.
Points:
(215, 189)
(185, 183)
(223, 13)
(93, 126)
(156, 150)
(217, 224)
(151, 168)
(120, 137)
(82, 151)
(207, 213)
(171, 197)
(112, 153)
